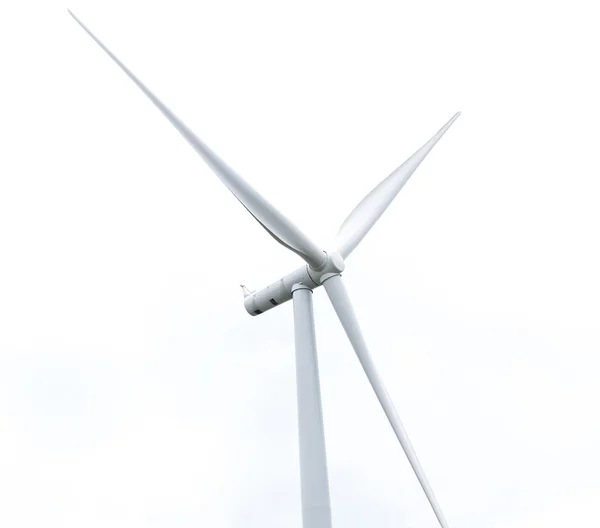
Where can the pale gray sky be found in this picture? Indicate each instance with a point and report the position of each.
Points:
(135, 391)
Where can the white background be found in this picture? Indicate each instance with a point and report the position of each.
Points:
(135, 391)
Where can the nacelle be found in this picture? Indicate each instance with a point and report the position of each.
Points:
(281, 291)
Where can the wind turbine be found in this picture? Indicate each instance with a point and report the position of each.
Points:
(322, 268)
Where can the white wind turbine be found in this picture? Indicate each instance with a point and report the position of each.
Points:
(322, 268)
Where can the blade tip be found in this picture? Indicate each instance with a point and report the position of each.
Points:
(74, 16)
(451, 121)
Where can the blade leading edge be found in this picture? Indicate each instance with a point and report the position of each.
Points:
(341, 303)
(367, 212)
(275, 223)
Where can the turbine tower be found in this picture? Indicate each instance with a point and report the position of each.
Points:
(321, 268)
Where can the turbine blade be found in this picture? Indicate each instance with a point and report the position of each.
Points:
(367, 212)
(341, 303)
(275, 223)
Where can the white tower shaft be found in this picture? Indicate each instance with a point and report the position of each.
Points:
(316, 509)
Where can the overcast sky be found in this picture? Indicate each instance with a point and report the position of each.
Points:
(135, 391)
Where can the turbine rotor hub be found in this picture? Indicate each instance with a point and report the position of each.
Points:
(334, 265)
